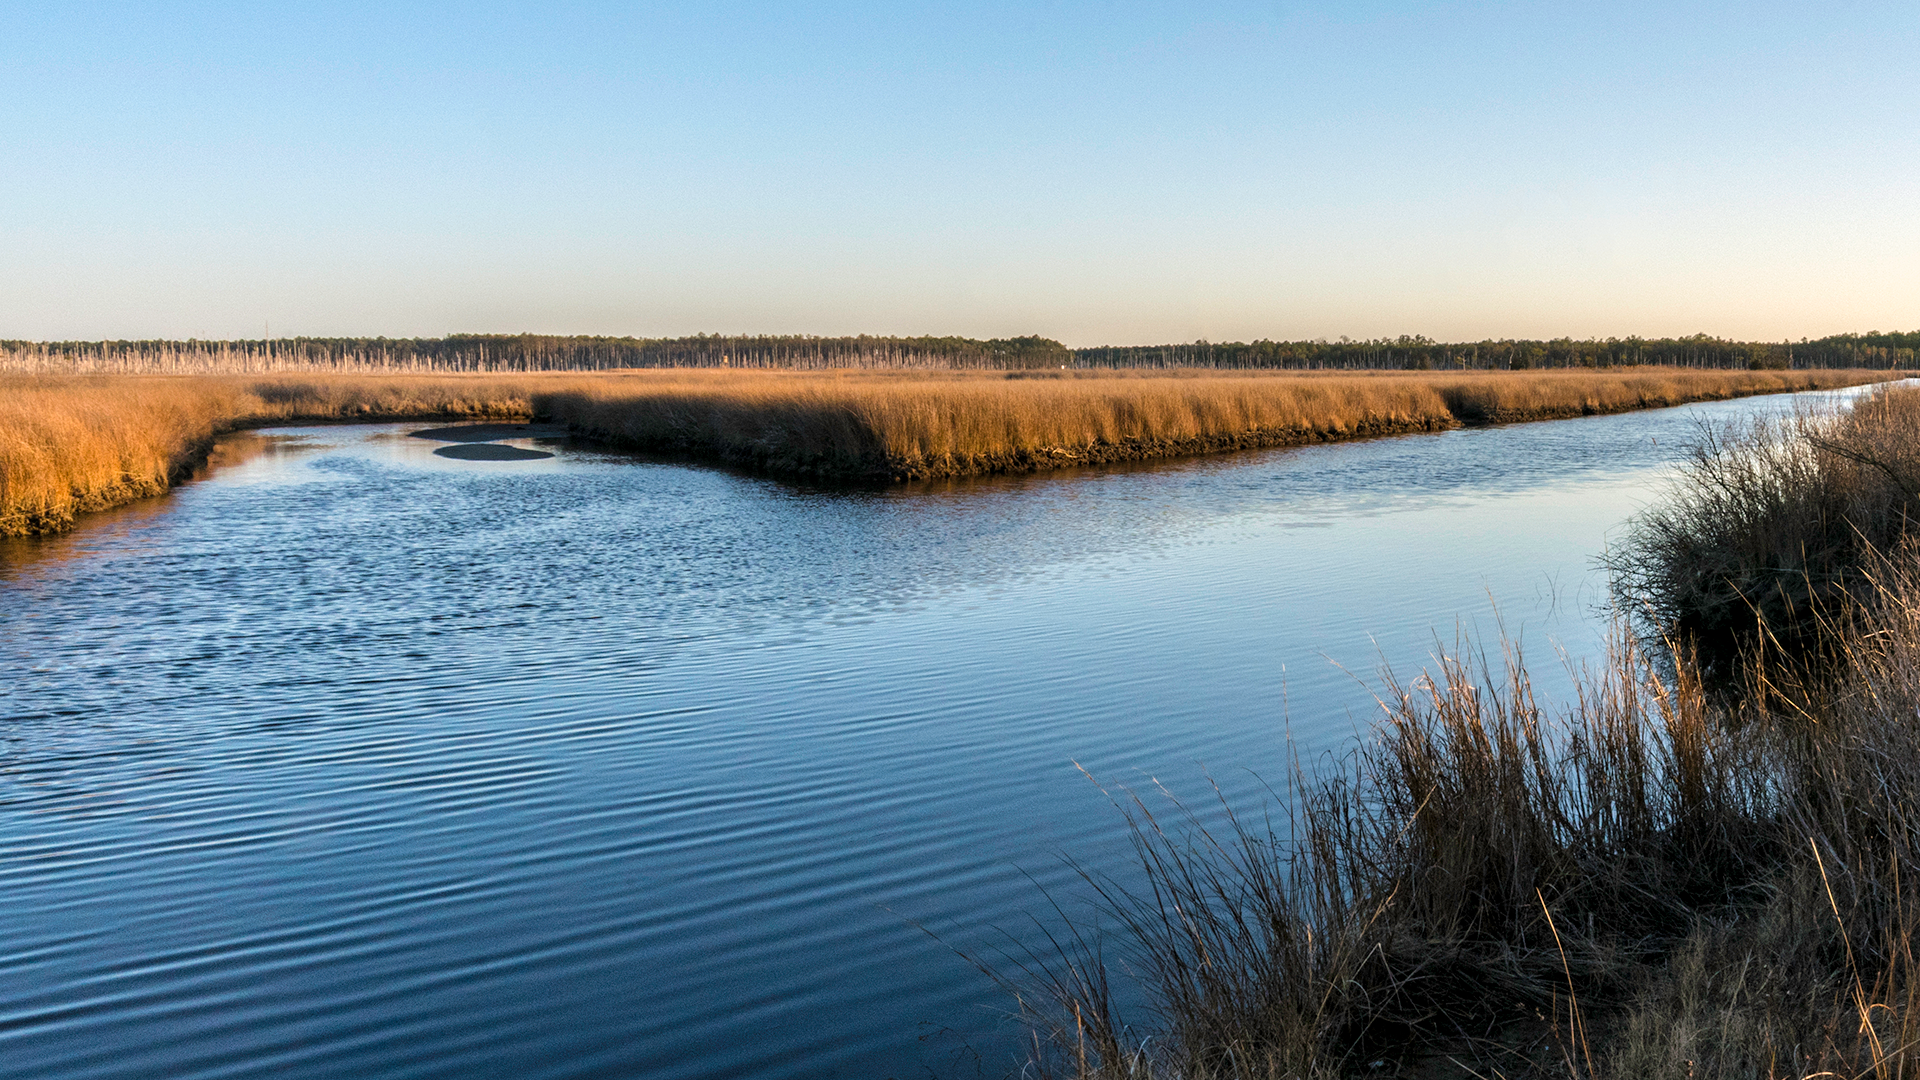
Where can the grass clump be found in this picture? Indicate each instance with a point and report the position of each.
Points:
(1773, 534)
(1662, 878)
(1449, 894)
(1640, 886)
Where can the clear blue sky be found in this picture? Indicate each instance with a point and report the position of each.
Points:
(1099, 173)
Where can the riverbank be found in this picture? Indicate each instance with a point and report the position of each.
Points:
(1690, 870)
(70, 445)
(893, 427)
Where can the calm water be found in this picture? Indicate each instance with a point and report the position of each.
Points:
(351, 760)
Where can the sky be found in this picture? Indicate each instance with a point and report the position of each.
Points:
(1100, 173)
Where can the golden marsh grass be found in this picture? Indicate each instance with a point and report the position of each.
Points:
(72, 444)
(904, 426)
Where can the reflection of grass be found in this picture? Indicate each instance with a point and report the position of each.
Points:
(1661, 881)
(76, 443)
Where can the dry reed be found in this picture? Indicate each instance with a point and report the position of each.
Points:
(70, 444)
(1444, 895)
(943, 424)
(1636, 888)
(1657, 882)
(1772, 532)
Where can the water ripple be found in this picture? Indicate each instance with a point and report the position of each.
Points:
(354, 760)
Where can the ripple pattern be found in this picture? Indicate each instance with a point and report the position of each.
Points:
(351, 759)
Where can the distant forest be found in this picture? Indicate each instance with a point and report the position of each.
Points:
(536, 352)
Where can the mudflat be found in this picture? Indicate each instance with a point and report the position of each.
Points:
(489, 452)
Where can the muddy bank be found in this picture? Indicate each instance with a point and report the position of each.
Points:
(1042, 458)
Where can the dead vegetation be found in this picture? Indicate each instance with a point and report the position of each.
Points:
(71, 444)
(75, 444)
(1773, 531)
(1655, 880)
(868, 425)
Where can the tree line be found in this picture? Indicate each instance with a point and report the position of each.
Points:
(541, 352)
(1870, 350)
(532, 352)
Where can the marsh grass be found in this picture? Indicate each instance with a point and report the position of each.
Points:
(1773, 535)
(951, 424)
(1448, 892)
(71, 444)
(1634, 888)
(1663, 878)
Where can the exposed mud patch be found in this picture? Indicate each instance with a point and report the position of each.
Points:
(489, 452)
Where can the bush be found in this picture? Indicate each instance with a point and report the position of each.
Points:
(1770, 540)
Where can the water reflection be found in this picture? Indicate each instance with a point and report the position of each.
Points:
(351, 759)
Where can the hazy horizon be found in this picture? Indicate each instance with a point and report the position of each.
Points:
(1100, 174)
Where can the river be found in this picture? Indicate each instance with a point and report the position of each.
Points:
(349, 759)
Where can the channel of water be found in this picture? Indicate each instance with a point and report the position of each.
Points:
(353, 759)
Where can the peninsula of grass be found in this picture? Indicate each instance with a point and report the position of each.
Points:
(70, 444)
(912, 426)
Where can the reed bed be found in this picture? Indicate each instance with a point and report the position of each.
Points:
(1774, 533)
(1656, 880)
(72, 444)
(932, 425)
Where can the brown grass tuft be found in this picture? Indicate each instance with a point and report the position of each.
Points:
(1450, 893)
(1772, 536)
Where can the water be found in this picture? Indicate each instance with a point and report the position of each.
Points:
(351, 759)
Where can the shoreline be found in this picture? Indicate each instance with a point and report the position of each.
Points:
(1698, 864)
(82, 444)
(1450, 408)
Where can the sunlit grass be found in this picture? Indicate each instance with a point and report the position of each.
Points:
(75, 444)
(71, 444)
(947, 424)
(1666, 876)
